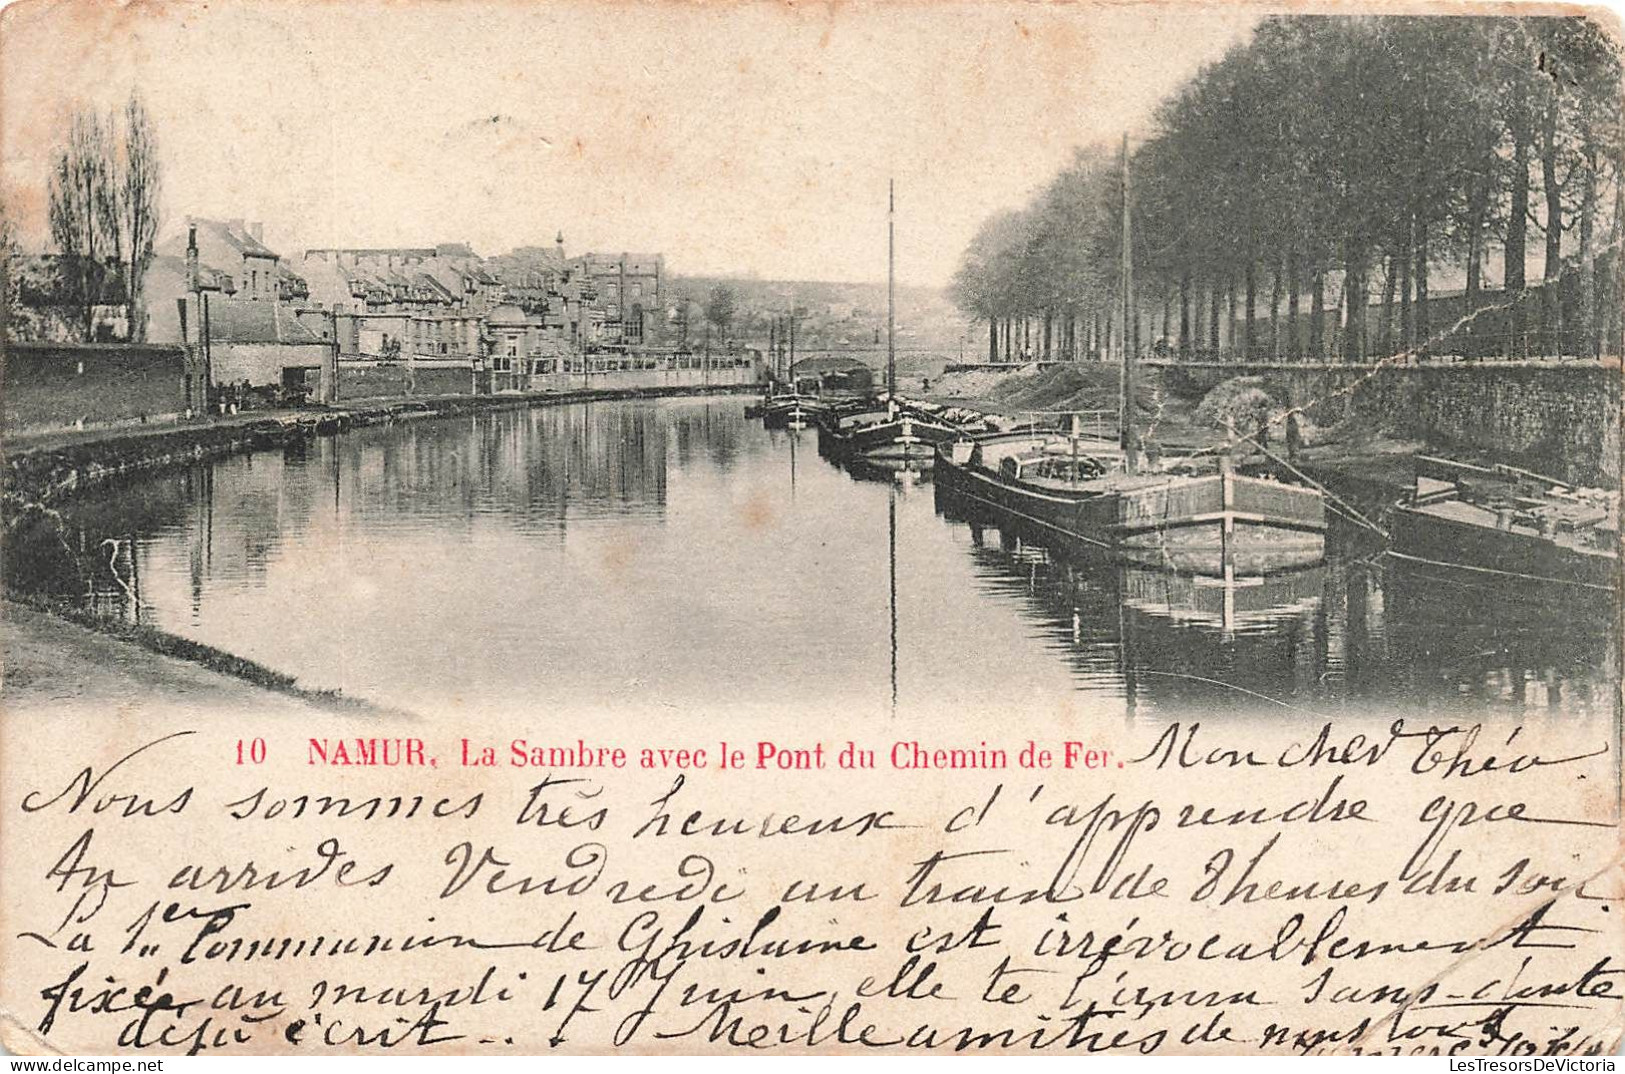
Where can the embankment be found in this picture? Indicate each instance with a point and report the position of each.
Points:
(1561, 419)
(1556, 418)
(66, 658)
(1070, 387)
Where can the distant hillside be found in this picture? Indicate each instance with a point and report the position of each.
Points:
(831, 316)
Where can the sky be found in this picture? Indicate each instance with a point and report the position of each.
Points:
(736, 138)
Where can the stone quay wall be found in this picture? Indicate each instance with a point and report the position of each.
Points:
(66, 385)
(1561, 419)
(367, 379)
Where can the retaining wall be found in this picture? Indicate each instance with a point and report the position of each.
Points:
(1556, 418)
(55, 386)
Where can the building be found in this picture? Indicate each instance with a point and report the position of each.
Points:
(223, 259)
(377, 321)
(291, 287)
(255, 352)
(405, 320)
(629, 292)
(235, 249)
(526, 344)
(586, 303)
(340, 288)
(459, 253)
(169, 284)
(352, 279)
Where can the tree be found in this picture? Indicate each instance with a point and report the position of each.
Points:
(1051, 264)
(136, 189)
(81, 209)
(680, 319)
(1485, 66)
(977, 287)
(104, 207)
(1356, 154)
(720, 308)
(1580, 98)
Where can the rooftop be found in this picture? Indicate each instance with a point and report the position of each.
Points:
(235, 233)
(241, 320)
(510, 314)
(609, 261)
(373, 251)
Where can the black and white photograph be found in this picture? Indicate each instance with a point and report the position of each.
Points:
(781, 488)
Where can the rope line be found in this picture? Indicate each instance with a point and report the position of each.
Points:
(1328, 493)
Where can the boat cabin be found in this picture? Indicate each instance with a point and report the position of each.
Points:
(1045, 465)
(863, 420)
(1511, 499)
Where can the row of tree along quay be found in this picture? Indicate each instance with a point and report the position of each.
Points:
(1338, 189)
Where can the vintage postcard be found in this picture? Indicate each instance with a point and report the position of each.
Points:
(765, 527)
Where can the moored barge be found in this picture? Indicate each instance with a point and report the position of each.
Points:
(1506, 528)
(1195, 517)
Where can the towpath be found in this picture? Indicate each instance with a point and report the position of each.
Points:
(51, 663)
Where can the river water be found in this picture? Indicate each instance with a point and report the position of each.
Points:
(672, 558)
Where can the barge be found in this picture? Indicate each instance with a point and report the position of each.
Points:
(1198, 517)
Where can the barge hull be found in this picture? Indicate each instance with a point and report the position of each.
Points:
(1210, 526)
(1467, 554)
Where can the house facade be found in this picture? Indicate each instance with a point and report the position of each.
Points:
(234, 248)
(259, 350)
(344, 323)
(628, 291)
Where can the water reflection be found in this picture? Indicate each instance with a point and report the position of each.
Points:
(673, 557)
(891, 575)
(905, 472)
(1347, 634)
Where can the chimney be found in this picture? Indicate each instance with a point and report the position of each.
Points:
(192, 281)
(256, 230)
